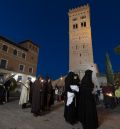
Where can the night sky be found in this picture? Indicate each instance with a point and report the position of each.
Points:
(45, 22)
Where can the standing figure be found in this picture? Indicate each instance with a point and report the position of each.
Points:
(87, 105)
(48, 94)
(71, 88)
(37, 97)
(24, 97)
(31, 90)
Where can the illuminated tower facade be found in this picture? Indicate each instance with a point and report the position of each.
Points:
(80, 40)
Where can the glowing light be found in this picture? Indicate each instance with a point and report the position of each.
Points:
(109, 94)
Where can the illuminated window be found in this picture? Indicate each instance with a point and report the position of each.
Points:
(19, 78)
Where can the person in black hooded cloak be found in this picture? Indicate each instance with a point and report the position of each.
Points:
(87, 106)
(71, 95)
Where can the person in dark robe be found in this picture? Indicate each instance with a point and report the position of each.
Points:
(87, 105)
(2, 93)
(31, 90)
(7, 85)
(38, 97)
(71, 88)
(48, 93)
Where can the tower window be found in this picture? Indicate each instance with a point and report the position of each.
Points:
(75, 26)
(84, 24)
(81, 24)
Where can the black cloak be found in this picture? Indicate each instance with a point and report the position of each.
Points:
(70, 112)
(87, 106)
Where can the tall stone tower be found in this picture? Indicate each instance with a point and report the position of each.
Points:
(80, 40)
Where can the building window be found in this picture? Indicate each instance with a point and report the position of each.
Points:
(5, 48)
(30, 70)
(83, 46)
(23, 55)
(21, 67)
(19, 53)
(15, 52)
(19, 78)
(3, 63)
(29, 78)
(80, 54)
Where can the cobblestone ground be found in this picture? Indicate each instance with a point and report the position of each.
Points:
(13, 117)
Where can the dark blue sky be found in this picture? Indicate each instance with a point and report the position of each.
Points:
(46, 23)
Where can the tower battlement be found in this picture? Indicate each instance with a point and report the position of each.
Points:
(80, 8)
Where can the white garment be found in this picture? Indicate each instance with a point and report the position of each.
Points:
(24, 97)
(74, 88)
(70, 97)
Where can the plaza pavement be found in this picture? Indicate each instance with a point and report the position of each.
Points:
(13, 117)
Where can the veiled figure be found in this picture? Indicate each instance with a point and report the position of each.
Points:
(87, 106)
(38, 97)
(71, 98)
(24, 97)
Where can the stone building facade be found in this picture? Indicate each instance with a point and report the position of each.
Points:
(18, 58)
(80, 40)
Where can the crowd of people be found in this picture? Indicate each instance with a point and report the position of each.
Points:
(39, 94)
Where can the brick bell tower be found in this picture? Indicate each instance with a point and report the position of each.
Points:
(80, 40)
